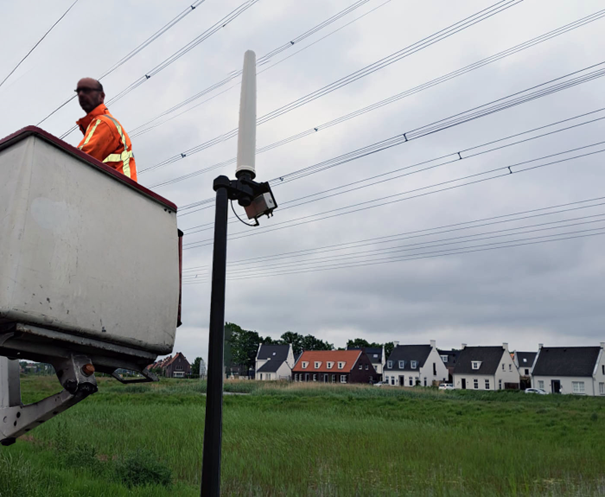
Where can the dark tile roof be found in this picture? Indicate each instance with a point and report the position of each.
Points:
(452, 356)
(526, 359)
(408, 353)
(271, 366)
(273, 352)
(566, 361)
(374, 353)
(490, 357)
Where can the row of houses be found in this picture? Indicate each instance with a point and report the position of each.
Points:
(569, 370)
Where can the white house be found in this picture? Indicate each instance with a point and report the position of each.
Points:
(274, 362)
(411, 365)
(570, 370)
(485, 368)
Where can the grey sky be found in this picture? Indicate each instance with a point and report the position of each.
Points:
(547, 293)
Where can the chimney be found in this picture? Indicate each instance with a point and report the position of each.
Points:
(505, 346)
(463, 346)
(603, 345)
(395, 344)
(540, 345)
(433, 344)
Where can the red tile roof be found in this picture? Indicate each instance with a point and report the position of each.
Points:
(349, 357)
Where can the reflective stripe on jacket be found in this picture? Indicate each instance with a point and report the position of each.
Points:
(105, 140)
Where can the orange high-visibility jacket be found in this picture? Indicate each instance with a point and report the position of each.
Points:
(105, 140)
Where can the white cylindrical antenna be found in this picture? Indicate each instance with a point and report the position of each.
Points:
(246, 141)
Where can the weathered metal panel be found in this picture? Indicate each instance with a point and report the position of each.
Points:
(83, 251)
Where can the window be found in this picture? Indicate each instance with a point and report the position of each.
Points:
(487, 384)
(413, 364)
(305, 364)
(314, 376)
(541, 384)
(510, 368)
(601, 388)
(317, 364)
(578, 386)
(502, 367)
(392, 380)
(261, 376)
(526, 372)
(411, 381)
(343, 378)
(333, 378)
(341, 365)
(361, 367)
(401, 364)
(329, 364)
(444, 359)
(306, 376)
(367, 367)
(499, 384)
(603, 368)
(390, 364)
(434, 369)
(476, 384)
(475, 364)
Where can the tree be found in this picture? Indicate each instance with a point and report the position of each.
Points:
(242, 345)
(361, 343)
(309, 342)
(388, 348)
(295, 339)
(195, 367)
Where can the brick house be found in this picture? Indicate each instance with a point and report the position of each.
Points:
(176, 366)
(334, 366)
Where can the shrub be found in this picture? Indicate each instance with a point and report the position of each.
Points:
(142, 468)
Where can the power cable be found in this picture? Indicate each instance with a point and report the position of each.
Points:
(426, 232)
(234, 14)
(443, 34)
(38, 43)
(387, 176)
(260, 62)
(432, 254)
(499, 172)
(518, 98)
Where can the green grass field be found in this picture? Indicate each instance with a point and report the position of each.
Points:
(146, 440)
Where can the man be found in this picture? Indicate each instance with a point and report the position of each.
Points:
(104, 138)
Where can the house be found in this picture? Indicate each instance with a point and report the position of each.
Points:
(274, 362)
(334, 366)
(173, 367)
(449, 358)
(524, 362)
(411, 365)
(376, 355)
(570, 370)
(485, 368)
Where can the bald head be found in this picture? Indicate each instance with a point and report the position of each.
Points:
(90, 94)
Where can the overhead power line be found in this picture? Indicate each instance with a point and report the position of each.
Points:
(267, 68)
(395, 98)
(234, 14)
(136, 50)
(471, 179)
(440, 161)
(260, 62)
(361, 73)
(300, 262)
(37, 43)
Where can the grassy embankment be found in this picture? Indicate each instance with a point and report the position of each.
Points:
(312, 440)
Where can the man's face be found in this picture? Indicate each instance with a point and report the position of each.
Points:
(89, 94)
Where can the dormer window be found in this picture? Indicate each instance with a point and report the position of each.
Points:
(390, 364)
(413, 364)
(401, 364)
(341, 365)
(444, 359)
(476, 364)
(329, 364)
(305, 364)
(317, 364)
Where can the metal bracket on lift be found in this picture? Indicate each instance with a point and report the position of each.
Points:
(148, 376)
(76, 375)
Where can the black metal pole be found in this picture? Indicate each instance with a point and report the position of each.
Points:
(211, 465)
